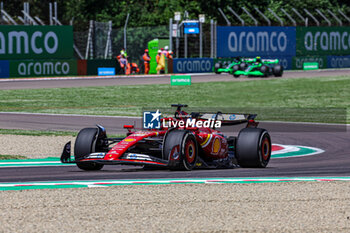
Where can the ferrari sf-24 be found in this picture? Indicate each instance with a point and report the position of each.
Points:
(183, 147)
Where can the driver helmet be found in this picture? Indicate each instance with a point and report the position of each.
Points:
(258, 59)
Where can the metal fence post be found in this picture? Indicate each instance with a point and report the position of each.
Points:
(50, 12)
(276, 16)
(200, 40)
(344, 15)
(1, 8)
(237, 16)
(170, 34)
(24, 9)
(267, 19)
(211, 38)
(108, 42)
(91, 41)
(185, 47)
(324, 17)
(250, 15)
(223, 15)
(126, 24)
(289, 17)
(55, 6)
(336, 18)
(215, 39)
(177, 39)
(309, 14)
(300, 16)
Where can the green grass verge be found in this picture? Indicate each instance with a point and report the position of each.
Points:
(37, 132)
(282, 97)
(7, 157)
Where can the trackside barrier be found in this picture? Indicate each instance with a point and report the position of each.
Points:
(36, 42)
(4, 69)
(42, 68)
(338, 61)
(193, 65)
(298, 62)
(322, 41)
(93, 65)
(256, 41)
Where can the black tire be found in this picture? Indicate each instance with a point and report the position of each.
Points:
(278, 70)
(253, 148)
(180, 149)
(85, 144)
(243, 66)
(264, 69)
(216, 67)
(236, 75)
(235, 68)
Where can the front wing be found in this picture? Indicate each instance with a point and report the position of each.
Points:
(126, 159)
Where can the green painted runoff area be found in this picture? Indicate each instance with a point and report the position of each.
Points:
(108, 183)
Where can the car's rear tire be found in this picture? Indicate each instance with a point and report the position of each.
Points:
(217, 66)
(236, 75)
(235, 68)
(85, 144)
(243, 66)
(264, 69)
(180, 149)
(253, 148)
(278, 70)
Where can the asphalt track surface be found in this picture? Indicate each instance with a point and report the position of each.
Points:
(333, 139)
(7, 84)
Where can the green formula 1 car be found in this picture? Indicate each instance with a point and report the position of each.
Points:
(236, 64)
(252, 67)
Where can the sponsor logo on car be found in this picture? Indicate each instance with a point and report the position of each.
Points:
(232, 117)
(96, 156)
(129, 139)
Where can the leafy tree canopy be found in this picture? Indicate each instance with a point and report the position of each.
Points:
(158, 12)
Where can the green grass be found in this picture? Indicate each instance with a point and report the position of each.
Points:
(275, 97)
(7, 157)
(37, 132)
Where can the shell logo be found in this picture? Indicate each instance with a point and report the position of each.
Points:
(129, 139)
(216, 145)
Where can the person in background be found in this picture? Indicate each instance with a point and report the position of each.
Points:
(123, 52)
(165, 51)
(123, 62)
(146, 60)
(170, 55)
(160, 58)
(170, 62)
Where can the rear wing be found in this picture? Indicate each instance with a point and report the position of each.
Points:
(270, 61)
(225, 118)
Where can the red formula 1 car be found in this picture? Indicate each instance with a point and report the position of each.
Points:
(182, 142)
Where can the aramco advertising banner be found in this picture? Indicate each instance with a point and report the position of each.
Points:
(193, 65)
(256, 41)
(323, 41)
(36, 42)
(42, 68)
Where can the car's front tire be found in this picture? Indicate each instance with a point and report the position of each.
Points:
(180, 149)
(85, 144)
(253, 148)
(278, 70)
